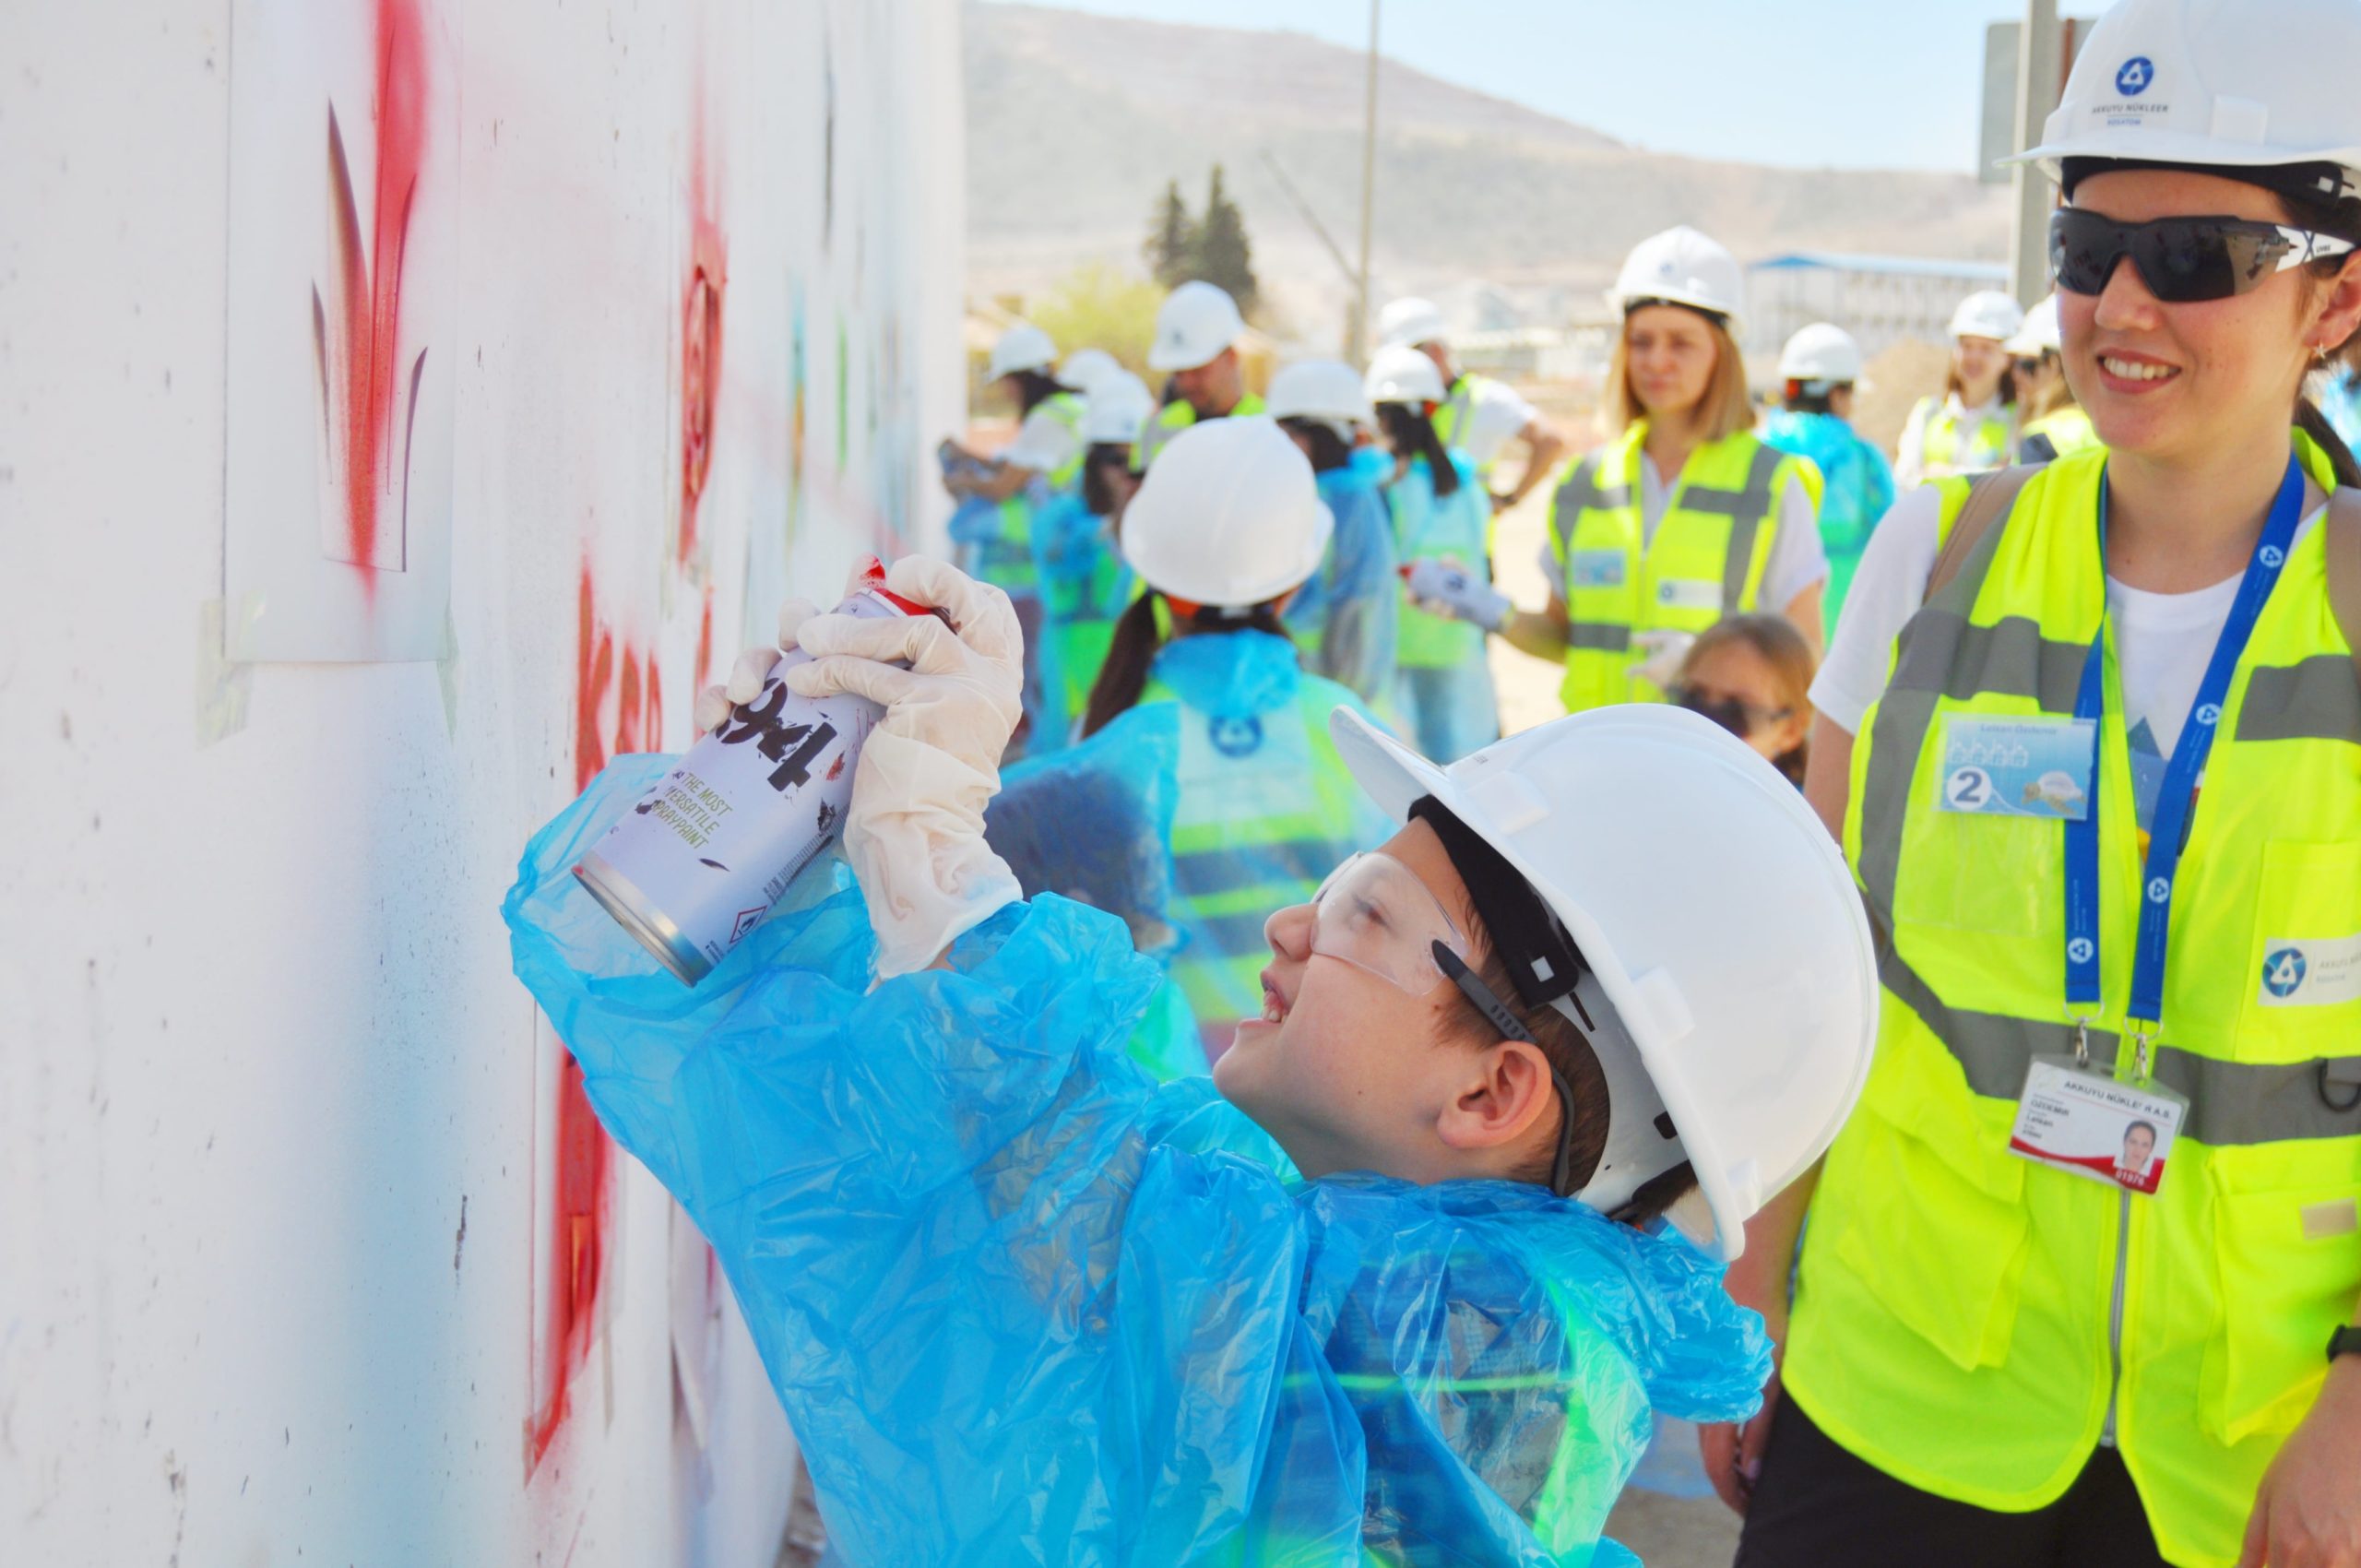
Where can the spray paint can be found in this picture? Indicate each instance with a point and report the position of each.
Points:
(703, 856)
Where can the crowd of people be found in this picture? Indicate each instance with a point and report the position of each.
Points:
(1314, 1128)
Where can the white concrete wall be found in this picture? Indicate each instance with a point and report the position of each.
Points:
(281, 1221)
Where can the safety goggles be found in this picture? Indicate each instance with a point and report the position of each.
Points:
(1375, 914)
(2182, 260)
(1736, 715)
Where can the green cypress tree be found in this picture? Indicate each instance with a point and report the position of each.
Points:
(1224, 255)
(1171, 250)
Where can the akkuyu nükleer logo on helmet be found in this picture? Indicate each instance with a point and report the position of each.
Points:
(2134, 77)
(2132, 80)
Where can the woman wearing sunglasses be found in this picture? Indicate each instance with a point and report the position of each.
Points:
(1751, 674)
(1999, 1353)
(1972, 425)
(1387, 1287)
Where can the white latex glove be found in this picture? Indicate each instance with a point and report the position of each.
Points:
(915, 834)
(1661, 652)
(754, 667)
(1446, 587)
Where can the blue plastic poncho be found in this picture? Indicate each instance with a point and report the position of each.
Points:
(1022, 1307)
(1345, 616)
(992, 541)
(1086, 586)
(1443, 683)
(1858, 488)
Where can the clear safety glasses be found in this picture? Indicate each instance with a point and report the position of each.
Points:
(1375, 914)
(2182, 260)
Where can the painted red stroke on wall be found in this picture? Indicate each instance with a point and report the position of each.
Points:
(700, 335)
(364, 384)
(618, 706)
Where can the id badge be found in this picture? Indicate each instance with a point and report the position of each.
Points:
(2035, 768)
(2090, 1124)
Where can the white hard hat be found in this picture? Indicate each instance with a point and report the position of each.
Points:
(1403, 374)
(1022, 346)
(1987, 314)
(1410, 322)
(1118, 404)
(1822, 351)
(1083, 368)
(2233, 83)
(1230, 516)
(1720, 927)
(1322, 389)
(2039, 334)
(1682, 266)
(1198, 320)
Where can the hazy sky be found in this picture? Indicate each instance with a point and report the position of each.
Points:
(1889, 84)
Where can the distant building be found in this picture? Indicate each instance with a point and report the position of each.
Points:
(1878, 299)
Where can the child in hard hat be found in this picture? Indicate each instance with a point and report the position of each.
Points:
(1374, 1293)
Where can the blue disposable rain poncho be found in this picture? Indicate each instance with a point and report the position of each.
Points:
(1443, 682)
(1858, 487)
(1084, 586)
(1345, 617)
(1021, 1306)
(992, 541)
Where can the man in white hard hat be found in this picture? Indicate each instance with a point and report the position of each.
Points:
(1196, 344)
(1479, 416)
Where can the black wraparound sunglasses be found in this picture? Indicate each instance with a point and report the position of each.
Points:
(2182, 260)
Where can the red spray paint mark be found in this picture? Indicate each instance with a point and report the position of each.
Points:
(700, 333)
(581, 1172)
(362, 380)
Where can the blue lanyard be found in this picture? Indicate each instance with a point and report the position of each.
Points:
(2177, 796)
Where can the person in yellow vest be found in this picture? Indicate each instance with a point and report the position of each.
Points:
(2003, 1345)
(1197, 332)
(2054, 423)
(1687, 515)
(1479, 416)
(1972, 425)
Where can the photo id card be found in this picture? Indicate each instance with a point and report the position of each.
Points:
(2093, 1126)
(2037, 768)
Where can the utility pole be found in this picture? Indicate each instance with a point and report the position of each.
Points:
(1357, 330)
(2039, 75)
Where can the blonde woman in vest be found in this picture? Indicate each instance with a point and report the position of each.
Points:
(1972, 426)
(2010, 1343)
(1684, 517)
(2054, 423)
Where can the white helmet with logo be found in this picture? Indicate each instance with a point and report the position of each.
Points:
(1022, 346)
(1118, 404)
(1410, 322)
(1822, 351)
(1083, 368)
(1319, 389)
(1682, 266)
(1230, 516)
(2239, 83)
(1730, 974)
(2040, 335)
(1197, 321)
(1403, 374)
(1987, 314)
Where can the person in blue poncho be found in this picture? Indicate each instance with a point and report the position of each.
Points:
(1346, 617)
(1376, 1292)
(1442, 514)
(1819, 365)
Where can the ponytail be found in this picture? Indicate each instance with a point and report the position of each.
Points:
(1033, 389)
(1140, 636)
(1412, 434)
(2314, 423)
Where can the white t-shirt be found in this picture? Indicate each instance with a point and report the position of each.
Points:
(1496, 417)
(1795, 563)
(1044, 443)
(2163, 641)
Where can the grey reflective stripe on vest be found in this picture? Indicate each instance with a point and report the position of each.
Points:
(1451, 419)
(1580, 493)
(1746, 509)
(1210, 871)
(2230, 1102)
(1598, 636)
(2313, 699)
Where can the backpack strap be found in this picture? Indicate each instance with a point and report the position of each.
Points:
(1990, 496)
(2343, 541)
